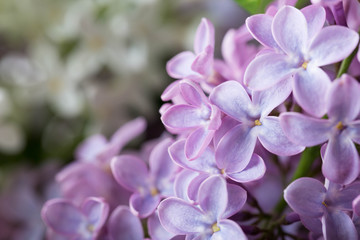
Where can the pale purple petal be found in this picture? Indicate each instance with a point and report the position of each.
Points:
(180, 65)
(313, 224)
(236, 148)
(310, 90)
(305, 196)
(343, 199)
(228, 230)
(156, 230)
(192, 93)
(231, 98)
(193, 188)
(62, 216)
(344, 101)
(253, 171)
(236, 200)
(123, 167)
(143, 205)
(161, 166)
(90, 148)
(182, 182)
(338, 225)
(260, 28)
(274, 140)
(96, 211)
(268, 69)
(333, 44)
(128, 132)
(353, 131)
(197, 142)
(227, 123)
(213, 197)
(180, 217)
(356, 205)
(341, 160)
(203, 62)
(289, 29)
(183, 117)
(304, 130)
(315, 17)
(205, 36)
(171, 91)
(205, 163)
(272, 97)
(124, 225)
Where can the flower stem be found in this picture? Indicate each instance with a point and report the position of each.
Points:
(345, 64)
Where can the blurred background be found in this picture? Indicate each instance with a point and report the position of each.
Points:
(73, 68)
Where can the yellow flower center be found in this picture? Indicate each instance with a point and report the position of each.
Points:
(257, 122)
(339, 126)
(215, 228)
(90, 227)
(305, 64)
(154, 191)
(324, 203)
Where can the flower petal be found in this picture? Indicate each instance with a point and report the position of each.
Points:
(192, 93)
(205, 163)
(180, 217)
(143, 205)
(123, 167)
(228, 230)
(305, 196)
(197, 142)
(304, 130)
(62, 216)
(180, 65)
(338, 225)
(310, 88)
(156, 230)
(315, 17)
(213, 197)
(96, 210)
(182, 182)
(272, 97)
(289, 29)
(344, 101)
(124, 225)
(332, 44)
(236, 148)
(266, 70)
(183, 117)
(274, 140)
(205, 36)
(231, 98)
(260, 28)
(253, 171)
(341, 160)
(236, 200)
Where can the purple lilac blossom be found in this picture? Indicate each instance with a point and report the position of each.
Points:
(314, 203)
(341, 160)
(237, 145)
(205, 221)
(300, 47)
(148, 186)
(80, 223)
(197, 116)
(123, 225)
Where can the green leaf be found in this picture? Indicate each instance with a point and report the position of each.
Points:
(254, 6)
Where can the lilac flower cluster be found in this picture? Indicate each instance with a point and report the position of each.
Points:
(246, 129)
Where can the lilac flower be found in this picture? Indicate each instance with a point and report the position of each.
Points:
(341, 160)
(356, 215)
(148, 187)
(237, 146)
(313, 202)
(204, 222)
(156, 230)
(98, 150)
(197, 116)
(124, 225)
(208, 164)
(301, 48)
(80, 223)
